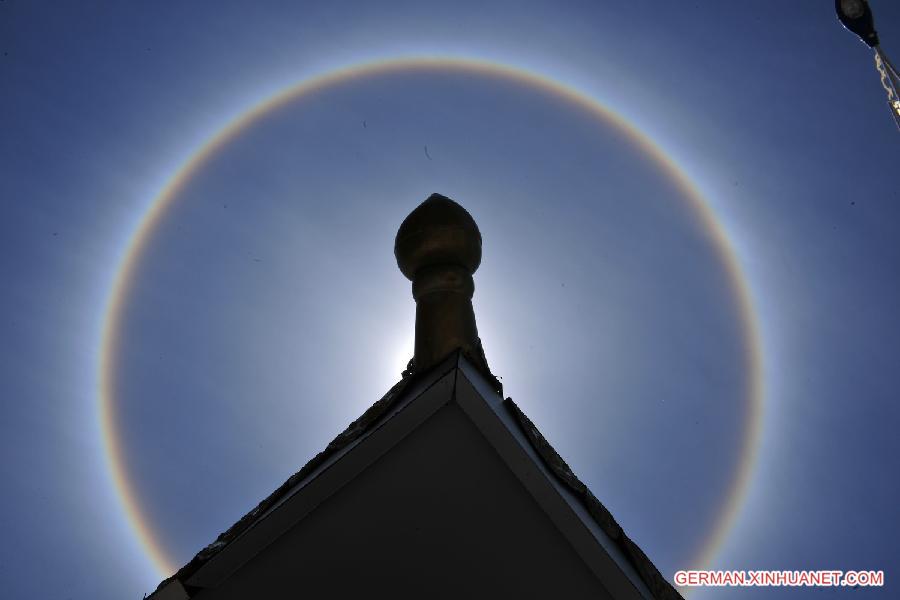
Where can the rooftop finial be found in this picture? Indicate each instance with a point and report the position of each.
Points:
(438, 247)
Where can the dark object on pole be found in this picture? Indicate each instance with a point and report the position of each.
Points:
(856, 16)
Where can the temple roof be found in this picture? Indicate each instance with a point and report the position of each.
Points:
(612, 557)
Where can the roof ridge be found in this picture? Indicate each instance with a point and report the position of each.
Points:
(659, 586)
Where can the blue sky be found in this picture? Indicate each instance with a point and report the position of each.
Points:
(601, 301)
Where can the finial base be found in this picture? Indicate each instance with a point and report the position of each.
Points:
(445, 319)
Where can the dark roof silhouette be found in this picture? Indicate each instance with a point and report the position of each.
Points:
(388, 407)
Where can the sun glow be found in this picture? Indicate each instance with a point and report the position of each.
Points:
(401, 355)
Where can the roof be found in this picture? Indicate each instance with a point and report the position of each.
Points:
(582, 518)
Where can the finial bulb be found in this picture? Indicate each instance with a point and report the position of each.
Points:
(439, 232)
